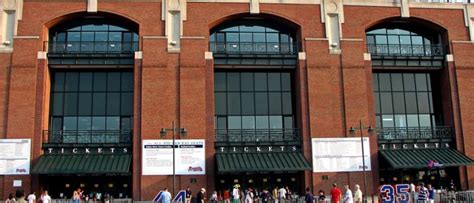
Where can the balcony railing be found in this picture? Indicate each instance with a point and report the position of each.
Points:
(443, 1)
(257, 135)
(268, 48)
(415, 133)
(92, 47)
(87, 137)
(406, 50)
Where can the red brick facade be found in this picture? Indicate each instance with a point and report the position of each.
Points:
(333, 91)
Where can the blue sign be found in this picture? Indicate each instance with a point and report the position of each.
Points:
(399, 193)
(158, 198)
(180, 197)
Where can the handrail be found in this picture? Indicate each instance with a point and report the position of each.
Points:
(257, 135)
(413, 133)
(406, 50)
(86, 136)
(272, 48)
(80, 47)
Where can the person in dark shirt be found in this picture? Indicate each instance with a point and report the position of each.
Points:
(201, 196)
(321, 197)
(309, 196)
(188, 195)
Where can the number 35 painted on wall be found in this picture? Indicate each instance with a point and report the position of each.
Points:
(399, 194)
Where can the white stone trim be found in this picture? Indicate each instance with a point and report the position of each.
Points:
(4, 49)
(25, 37)
(208, 55)
(449, 58)
(138, 55)
(315, 39)
(193, 37)
(352, 39)
(405, 9)
(367, 57)
(42, 55)
(462, 42)
(302, 56)
(335, 51)
(254, 6)
(154, 37)
(92, 6)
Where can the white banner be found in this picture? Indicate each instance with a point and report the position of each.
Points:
(157, 157)
(340, 154)
(15, 156)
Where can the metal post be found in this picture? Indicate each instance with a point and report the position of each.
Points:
(364, 197)
(174, 164)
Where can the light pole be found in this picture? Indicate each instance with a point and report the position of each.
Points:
(369, 130)
(175, 130)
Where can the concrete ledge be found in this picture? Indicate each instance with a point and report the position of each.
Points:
(42, 55)
(138, 55)
(154, 37)
(208, 55)
(315, 39)
(301, 55)
(367, 57)
(449, 58)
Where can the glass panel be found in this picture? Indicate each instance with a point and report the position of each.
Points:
(251, 28)
(73, 36)
(288, 122)
(405, 39)
(232, 37)
(380, 39)
(377, 102)
(285, 82)
(101, 36)
(113, 123)
(57, 123)
(276, 122)
(400, 120)
(260, 82)
(99, 82)
(425, 120)
(221, 103)
(58, 81)
(398, 102)
(219, 82)
(420, 79)
(70, 104)
(272, 37)
(274, 100)
(85, 81)
(84, 123)
(409, 82)
(115, 36)
(370, 39)
(221, 122)
(113, 103)
(248, 104)
(259, 37)
(287, 103)
(397, 82)
(386, 102)
(274, 83)
(113, 81)
(70, 123)
(261, 103)
(126, 123)
(248, 122)
(72, 81)
(387, 121)
(233, 82)
(417, 40)
(58, 99)
(375, 81)
(384, 82)
(85, 104)
(127, 81)
(246, 81)
(412, 120)
(378, 121)
(235, 122)
(423, 103)
(261, 122)
(98, 104)
(126, 104)
(246, 37)
(98, 123)
(411, 104)
(233, 103)
(393, 39)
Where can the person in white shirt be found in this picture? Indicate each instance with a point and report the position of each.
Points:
(31, 198)
(282, 193)
(236, 194)
(347, 195)
(166, 196)
(45, 198)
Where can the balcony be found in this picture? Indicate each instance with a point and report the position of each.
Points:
(396, 134)
(407, 55)
(256, 136)
(87, 137)
(91, 52)
(254, 53)
(443, 1)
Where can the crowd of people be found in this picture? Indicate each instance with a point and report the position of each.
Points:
(20, 197)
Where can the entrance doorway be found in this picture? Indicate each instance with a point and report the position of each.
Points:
(62, 186)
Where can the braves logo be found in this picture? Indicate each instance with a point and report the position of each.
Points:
(194, 168)
(21, 170)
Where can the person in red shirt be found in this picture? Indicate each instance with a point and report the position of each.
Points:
(335, 194)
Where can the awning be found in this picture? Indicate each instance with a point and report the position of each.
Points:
(261, 162)
(83, 164)
(419, 158)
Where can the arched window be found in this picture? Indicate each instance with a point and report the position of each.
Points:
(93, 35)
(253, 37)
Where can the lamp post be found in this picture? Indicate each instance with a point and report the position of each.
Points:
(369, 130)
(175, 130)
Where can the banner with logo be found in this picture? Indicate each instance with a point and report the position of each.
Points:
(340, 154)
(157, 157)
(15, 156)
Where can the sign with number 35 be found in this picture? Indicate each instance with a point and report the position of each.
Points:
(398, 194)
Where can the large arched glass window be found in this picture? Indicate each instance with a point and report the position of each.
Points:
(253, 37)
(91, 35)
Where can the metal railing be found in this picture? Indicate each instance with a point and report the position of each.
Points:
(257, 135)
(87, 136)
(272, 48)
(413, 133)
(406, 50)
(82, 47)
(443, 1)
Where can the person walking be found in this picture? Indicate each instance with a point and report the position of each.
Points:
(357, 194)
(166, 196)
(188, 195)
(45, 198)
(226, 196)
(265, 196)
(335, 194)
(201, 196)
(32, 198)
(348, 195)
(422, 194)
(75, 197)
(431, 194)
(249, 196)
(236, 194)
(275, 194)
(213, 197)
(11, 198)
(321, 197)
(282, 194)
(20, 196)
(308, 198)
